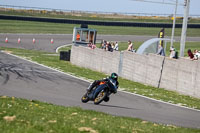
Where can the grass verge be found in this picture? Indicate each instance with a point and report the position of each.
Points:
(127, 85)
(14, 26)
(19, 116)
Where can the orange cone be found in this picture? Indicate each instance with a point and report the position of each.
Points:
(52, 41)
(6, 40)
(19, 40)
(34, 40)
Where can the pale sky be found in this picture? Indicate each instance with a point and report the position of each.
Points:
(124, 6)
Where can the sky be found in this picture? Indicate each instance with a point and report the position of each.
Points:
(118, 6)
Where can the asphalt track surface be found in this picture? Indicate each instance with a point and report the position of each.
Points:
(23, 79)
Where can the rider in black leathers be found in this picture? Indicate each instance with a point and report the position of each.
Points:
(96, 82)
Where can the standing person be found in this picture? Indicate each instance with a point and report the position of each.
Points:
(161, 50)
(78, 36)
(130, 46)
(116, 46)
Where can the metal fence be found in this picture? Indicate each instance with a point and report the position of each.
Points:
(8, 7)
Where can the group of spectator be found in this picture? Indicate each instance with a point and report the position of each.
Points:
(173, 52)
(195, 55)
(109, 46)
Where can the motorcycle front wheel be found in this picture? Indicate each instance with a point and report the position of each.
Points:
(100, 96)
(85, 98)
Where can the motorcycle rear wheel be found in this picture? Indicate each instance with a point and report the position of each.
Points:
(100, 97)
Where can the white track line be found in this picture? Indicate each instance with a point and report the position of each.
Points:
(90, 82)
(61, 47)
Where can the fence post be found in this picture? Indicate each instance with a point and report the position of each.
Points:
(120, 63)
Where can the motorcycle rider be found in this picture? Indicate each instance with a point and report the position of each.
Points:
(113, 76)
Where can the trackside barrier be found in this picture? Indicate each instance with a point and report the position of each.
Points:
(104, 23)
(179, 75)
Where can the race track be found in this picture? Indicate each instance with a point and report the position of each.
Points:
(21, 78)
(43, 41)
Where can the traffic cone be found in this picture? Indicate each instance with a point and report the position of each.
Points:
(19, 40)
(52, 41)
(6, 40)
(34, 40)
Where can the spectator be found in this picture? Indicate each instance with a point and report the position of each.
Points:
(190, 54)
(130, 46)
(91, 45)
(109, 47)
(116, 46)
(103, 44)
(196, 54)
(78, 36)
(173, 53)
(113, 45)
(161, 50)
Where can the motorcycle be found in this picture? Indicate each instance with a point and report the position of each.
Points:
(101, 92)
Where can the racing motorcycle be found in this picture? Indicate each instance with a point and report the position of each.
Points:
(100, 92)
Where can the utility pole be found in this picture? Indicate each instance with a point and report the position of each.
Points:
(184, 27)
(174, 22)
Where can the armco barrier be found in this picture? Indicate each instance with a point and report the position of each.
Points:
(179, 75)
(104, 23)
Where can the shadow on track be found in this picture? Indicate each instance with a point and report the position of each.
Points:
(114, 106)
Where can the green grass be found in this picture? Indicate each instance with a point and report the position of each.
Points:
(127, 85)
(14, 26)
(29, 116)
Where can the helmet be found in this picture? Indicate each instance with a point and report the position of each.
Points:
(114, 76)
